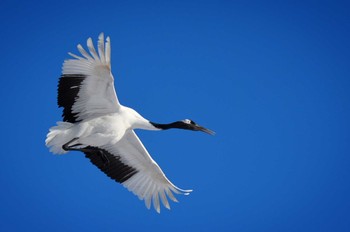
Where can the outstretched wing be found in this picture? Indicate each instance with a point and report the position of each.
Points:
(86, 87)
(129, 163)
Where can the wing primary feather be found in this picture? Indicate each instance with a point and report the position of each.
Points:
(146, 189)
(92, 49)
(75, 56)
(140, 186)
(151, 191)
(156, 202)
(139, 182)
(83, 52)
(101, 49)
(178, 190)
(171, 196)
(148, 201)
(108, 51)
(164, 199)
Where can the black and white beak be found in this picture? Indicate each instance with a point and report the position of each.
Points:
(197, 127)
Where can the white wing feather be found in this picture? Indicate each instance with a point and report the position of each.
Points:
(97, 94)
(149, 183)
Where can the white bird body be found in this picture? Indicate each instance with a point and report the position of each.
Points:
(100, 131)
(98, 125)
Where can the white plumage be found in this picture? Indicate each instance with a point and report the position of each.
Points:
(98, 125)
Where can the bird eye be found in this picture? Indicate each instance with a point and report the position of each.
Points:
(192, 122)
(187, 121)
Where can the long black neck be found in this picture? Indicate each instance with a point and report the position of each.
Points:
(178, 125)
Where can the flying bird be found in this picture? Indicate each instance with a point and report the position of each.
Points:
(95, 123)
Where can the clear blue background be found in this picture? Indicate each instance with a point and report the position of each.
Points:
(271, 78)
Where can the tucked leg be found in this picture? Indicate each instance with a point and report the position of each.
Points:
(66, 146)
(94, 150)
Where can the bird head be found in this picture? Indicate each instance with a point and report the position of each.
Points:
(189, 124)
(186, 124)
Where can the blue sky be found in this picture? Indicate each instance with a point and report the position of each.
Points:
(271, 78)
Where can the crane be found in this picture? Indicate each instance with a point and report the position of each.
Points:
(95, 123)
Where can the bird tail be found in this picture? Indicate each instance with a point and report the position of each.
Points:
(58, 136)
